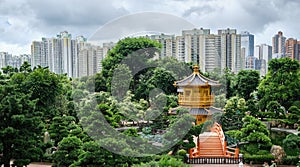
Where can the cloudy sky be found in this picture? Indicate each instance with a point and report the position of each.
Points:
(22, 21)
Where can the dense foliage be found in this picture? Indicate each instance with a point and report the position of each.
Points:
(43, 114)
(27, 99)
(235, 109)
(281, 84)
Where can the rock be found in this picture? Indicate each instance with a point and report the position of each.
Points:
(279, 126)
(296, 126)
(273, 123)
(278, 153)
(287, 127)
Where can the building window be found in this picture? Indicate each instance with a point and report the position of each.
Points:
(187, 92)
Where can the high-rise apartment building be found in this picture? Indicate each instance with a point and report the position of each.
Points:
(250, 62)
(55, 53)
(5, 59)
(89, 60)
(17, 61)
(297, 51)
(69, 54)
(231, 56)
(292, 47)
(278, 45)
(263, 53)
(180, 49)
(247, 49)
(36, 53)
(168, 43)
(58, 53)
(247, 42)
(210, 51)
(63, 55)
(192, 43)
(85, 59)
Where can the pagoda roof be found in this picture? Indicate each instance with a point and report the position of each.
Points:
(196, 79)
(198, 111)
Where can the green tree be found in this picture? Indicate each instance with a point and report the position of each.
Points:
(163, 80)
(121, 81)
(69, 149)
(281, 84)
(179, 69)
(294, 114)
(93, 155)
(131, 110)
(220, 101)
(276, 108)
(20, 123)
(228, 80)
(256, 133)
(291, 145)
(60, 127)
(100, 83)
(253, 108)
(100, 104)
(47, 88)
(247, 82)
(159, 78)
(235, 109)
(131, 132)
(135, 46)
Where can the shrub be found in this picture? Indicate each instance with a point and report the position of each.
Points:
(166, 161)
(258, 159)
(251, 148)
(268, 114)
(234, 134)
(21, 162)
(181, 152)
(291, 145)
(263, 152)
(47, 157)
(290, 160)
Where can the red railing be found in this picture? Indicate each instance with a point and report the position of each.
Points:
(227, 151)
(218, 129)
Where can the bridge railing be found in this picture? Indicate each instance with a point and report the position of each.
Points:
(218, 129)
(214, 160)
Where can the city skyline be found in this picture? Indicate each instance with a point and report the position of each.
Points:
(77, 57)
(24, 21)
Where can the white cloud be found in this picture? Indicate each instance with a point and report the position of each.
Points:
(32, 19)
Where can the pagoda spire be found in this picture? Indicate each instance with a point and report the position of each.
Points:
(196, 68)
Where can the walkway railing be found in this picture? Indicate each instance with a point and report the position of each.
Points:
(214, 160)
(228, 151)
(218, 129)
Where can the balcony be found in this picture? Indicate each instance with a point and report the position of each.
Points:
(196, 101)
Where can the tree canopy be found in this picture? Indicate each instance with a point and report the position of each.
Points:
(281, 84)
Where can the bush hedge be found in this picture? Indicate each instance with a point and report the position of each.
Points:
(258, 159)
(290, 160)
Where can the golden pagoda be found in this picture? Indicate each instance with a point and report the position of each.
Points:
(195, 94)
